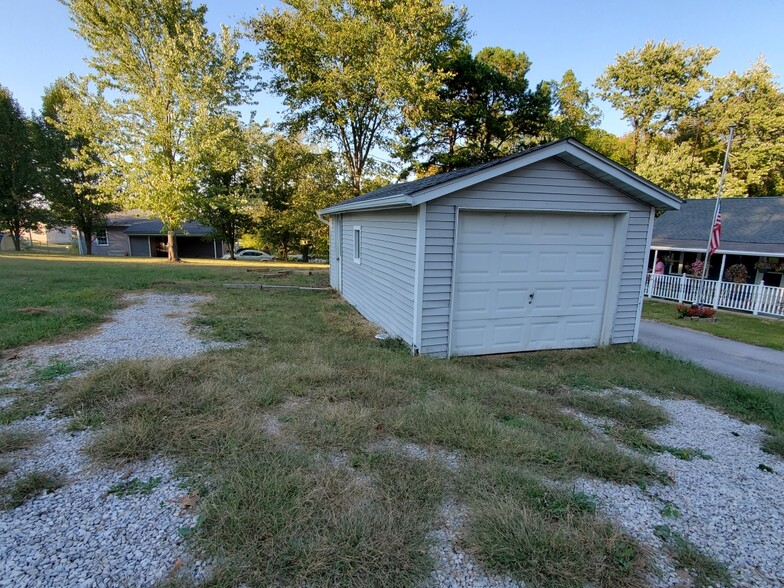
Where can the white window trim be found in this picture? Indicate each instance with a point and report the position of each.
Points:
(357, 244)
(98, 239)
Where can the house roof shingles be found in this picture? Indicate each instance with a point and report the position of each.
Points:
(749, 225)
(155, 227)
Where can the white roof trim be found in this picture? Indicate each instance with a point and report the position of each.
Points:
(394, 201)
(719, 251)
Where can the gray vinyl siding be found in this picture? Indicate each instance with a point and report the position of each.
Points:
(118, 243)
(381, 286)
(140, 246)
(437, 280)
(550, 185)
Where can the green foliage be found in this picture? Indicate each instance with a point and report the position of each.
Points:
(293, 181)
(134, 486)
(56, 369)
(165, 87)
(655, 86)
(70, 161)
(20, 206)
(704, 570)
(350, 72)
(31, 485)
(483, 110)
(573, 113)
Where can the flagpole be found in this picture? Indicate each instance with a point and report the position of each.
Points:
(715, 213)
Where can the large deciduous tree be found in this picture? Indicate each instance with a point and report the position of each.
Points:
(71, 164)
(483, 110)
(655, 86)
(573, 115)
(20, 205)
(166, 83)
(351, 70)
(293, 181)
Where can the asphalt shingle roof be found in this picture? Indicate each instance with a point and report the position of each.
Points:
(748, 224)
(155, 227)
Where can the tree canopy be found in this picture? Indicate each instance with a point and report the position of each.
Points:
(20, 206)
(164, 85)
(350, 71)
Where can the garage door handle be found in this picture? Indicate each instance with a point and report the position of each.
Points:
(530, 298)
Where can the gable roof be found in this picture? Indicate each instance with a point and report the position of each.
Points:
(569, 150)
(748, 225)
(155, 227)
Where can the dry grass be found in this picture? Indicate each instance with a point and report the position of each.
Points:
(279, 508)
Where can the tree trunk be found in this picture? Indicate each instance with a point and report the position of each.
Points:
(171, 247)
(16, 237)
(88, 241)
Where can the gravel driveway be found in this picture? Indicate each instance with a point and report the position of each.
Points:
(82, 534)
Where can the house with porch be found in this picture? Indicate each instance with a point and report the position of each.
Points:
(752, 235)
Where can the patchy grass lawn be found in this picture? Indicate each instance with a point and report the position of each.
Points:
(290, 439)
(45, 296)
(766, 332)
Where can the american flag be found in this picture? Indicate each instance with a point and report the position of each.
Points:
(715, 233)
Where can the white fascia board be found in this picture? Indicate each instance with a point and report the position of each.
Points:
(394, 201)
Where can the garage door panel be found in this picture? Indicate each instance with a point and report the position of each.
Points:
(503, 258)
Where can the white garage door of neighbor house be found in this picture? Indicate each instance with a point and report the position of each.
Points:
(528, 281)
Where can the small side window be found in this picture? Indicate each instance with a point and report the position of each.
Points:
(357, 244)
(101, 237)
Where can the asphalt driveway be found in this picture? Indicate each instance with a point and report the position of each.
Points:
(747, 363)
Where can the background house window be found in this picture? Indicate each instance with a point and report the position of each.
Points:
(357, 244)
(101, 237)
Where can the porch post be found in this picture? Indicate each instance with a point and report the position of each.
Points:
(681, 288)
(718, 284)
(653, 273)
(758, 297)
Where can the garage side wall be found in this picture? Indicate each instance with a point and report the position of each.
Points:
(380, 283)
(550, 185)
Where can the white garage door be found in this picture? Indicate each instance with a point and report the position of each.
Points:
(530, 281)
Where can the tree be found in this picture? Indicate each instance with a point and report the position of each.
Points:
(225, 195)
(351, 70)
(754, 103)
(165, 83)
(20, 205)
(677, 168)
(483, 110)
(293, 182)
(70, 161)
(655, 86)
(573, 113)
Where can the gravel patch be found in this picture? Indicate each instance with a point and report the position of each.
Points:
(726, 505)
(454, 567)
(83, 534)
(153, 325)
(448, 459)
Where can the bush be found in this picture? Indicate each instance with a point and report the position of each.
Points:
(684, 310)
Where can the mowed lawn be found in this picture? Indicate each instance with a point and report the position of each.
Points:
(756, 330)
(290, 440)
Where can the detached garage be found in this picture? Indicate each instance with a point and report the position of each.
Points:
(544, 249)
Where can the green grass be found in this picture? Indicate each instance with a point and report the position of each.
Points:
(11, 441)
(277, 510)
(765, 332)
(704, 570)
(47, 295)
(31, 485)
(774, 444)
(134, 486)
(56, 369)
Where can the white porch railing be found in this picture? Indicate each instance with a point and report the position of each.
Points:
(754, 298)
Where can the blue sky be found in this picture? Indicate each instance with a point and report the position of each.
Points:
(37, 45)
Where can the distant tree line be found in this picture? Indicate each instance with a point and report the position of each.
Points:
(373, 91)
